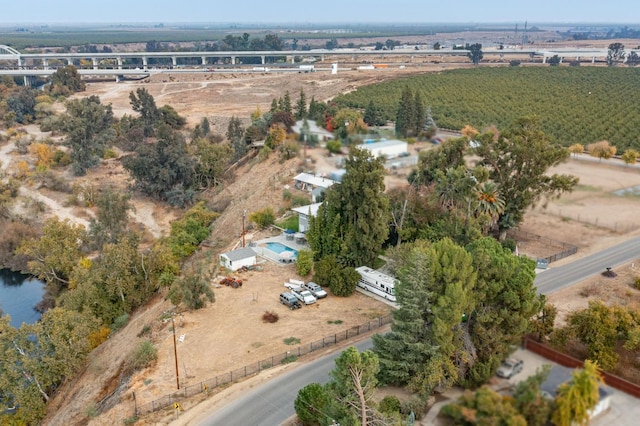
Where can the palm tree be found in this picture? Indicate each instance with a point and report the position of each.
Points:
(489, 202)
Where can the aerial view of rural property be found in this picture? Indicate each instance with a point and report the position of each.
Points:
(338, 214)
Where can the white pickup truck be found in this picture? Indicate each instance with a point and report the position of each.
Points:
(303, 295)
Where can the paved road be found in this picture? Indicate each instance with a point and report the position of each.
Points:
(271, 403)
(555, 278)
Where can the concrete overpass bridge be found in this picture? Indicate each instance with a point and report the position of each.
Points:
(11, 55)
(118, 64)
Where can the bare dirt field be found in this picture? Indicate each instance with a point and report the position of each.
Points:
(229, 333)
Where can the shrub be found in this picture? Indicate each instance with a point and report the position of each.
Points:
(120, 322)
(109, 153)
(304, 262)
(636, 283)
(509, 243)
(514, 63)
(263, 218)
(418, 405)
(334, 147)
(289, 359)
(98, 336)
(389, 405)
(141, 357)
(291, 341)
(270, 317)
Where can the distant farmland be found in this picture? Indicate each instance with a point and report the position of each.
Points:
(574, 104)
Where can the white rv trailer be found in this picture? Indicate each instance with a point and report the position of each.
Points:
(377, 283)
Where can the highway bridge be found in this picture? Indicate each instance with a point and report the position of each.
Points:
(11, 55)
(118, 64)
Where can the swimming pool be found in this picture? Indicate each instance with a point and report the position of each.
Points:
(279, 248)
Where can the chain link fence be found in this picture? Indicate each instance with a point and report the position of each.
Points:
(252, 369)
(554, 250)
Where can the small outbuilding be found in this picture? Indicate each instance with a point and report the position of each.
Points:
(309, 182)
(304, 213)
(236, 259)
(387, 149)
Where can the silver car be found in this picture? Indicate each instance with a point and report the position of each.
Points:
(509, 368)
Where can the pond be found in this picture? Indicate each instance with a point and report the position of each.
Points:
(19, 294)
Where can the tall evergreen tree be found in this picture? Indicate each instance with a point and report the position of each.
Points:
(419, 111)
(301, 106)
(373, 115)
(357, 211)
(286, 103)
(404, 113)
(427, 346)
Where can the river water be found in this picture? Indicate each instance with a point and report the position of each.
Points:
(19, 294)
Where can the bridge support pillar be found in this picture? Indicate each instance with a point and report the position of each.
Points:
(95, 63)
(204, 60)
(174, 61)
(262, 59)
(293, 59)
(19, 62)
(144, 62)
(45, 64)
(119, 59)
(561, 59)
(30, 80)
(593, 60)
(233, 60)
(544, 59)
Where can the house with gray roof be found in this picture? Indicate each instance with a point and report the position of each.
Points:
(236, 259)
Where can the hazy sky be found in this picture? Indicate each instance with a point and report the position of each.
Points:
(351, 11)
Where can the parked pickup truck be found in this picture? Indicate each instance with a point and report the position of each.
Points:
(303, 295)
(316, 290)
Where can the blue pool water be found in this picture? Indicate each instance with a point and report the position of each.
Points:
(279, 248)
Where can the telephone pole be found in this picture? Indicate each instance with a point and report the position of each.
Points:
(175, 351)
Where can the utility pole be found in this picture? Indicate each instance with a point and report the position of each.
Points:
(175, 351)
(244, 213)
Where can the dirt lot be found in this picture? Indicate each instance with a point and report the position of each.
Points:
(229, 333)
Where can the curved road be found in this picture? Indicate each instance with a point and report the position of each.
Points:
(272, 403)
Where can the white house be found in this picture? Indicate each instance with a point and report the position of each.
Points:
(304, 213)
(312, 130)
(236, 259)
(309, 182)
(387, 149)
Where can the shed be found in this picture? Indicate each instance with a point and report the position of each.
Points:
(236, 259)
(308, 182)
(388, 149)
(304, 213)
(559, 375)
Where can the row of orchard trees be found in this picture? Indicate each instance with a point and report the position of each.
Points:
(594, 105)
